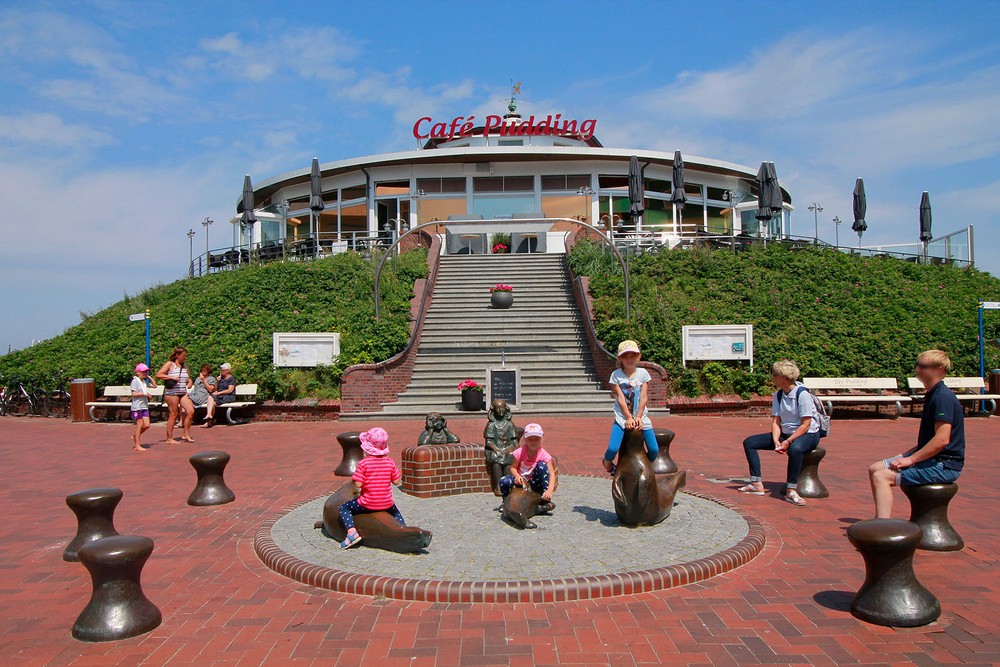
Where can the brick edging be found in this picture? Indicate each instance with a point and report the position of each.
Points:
(538, 590)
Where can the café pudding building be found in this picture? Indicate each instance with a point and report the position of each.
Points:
(480, 174)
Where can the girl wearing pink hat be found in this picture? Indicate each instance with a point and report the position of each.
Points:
(140, 404)
(374, 477)
(532, 467)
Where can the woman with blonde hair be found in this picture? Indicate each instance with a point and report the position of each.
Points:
(794, 431)
(176, 382)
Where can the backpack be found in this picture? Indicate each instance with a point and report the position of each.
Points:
(823, 417)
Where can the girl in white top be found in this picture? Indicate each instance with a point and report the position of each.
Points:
(628, 383)
(140, 403)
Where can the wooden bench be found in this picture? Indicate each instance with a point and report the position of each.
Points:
(856, 391)
(120, 396)
(965, 388)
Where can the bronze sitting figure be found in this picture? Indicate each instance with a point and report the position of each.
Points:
(501, 438)
(642, 498)
(436, 431)
(378, 529)
(522, 504)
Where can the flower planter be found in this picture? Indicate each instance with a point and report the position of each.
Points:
(473, 400)
(502, 300)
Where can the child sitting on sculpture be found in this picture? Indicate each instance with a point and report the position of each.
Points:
(532, 467)
(374, 476)
(628, 383)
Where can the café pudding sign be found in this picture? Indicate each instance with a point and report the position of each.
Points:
(465, 126)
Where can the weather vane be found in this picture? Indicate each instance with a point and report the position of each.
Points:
(515, 88)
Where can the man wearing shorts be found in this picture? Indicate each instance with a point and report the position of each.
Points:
(940, 452)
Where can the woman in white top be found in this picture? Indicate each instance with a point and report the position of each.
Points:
(794, 431)
(176, 382)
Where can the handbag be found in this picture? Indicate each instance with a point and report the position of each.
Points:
(169, 384)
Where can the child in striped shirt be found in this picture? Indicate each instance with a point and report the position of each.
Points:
(374, 476)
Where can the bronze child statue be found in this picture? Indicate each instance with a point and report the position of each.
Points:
(436, 431)
(501, 438)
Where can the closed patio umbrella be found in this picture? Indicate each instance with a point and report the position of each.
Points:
(925, 220)
(315, 198)
(775, 200)
(248, 217)
(678, 196)
(636, 190)
(764, 196)
(860, 209)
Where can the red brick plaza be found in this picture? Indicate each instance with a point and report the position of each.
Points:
(222, 606)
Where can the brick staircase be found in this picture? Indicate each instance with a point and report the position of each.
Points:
(542, 334)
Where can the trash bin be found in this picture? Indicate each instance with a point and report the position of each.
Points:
(81, 392)
(995, 381)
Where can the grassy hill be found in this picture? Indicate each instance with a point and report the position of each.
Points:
(836, 315)
(231, 315)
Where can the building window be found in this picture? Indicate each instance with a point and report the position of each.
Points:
(613, 182)
(392, 188)
(503, 184)
(354, 192)
(510, 142)
(441, 185)
(566, 182)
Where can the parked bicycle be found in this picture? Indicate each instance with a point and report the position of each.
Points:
(56, 400)
(20, 401)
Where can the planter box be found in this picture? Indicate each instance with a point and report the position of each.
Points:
(473, 400)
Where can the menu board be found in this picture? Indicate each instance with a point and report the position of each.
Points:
(504, 383)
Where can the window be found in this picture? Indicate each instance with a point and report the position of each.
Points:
(354, 192)
(503, 184)
(429, 209)
(658, 186)
(441, 185)
(390, 188)
(510, 142)
(692, 190)
(566, 206)
(613, 182)
(566, 182)
(659, 214)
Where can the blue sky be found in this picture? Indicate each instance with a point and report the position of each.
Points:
(122, 125)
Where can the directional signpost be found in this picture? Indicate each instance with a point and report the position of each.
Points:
(139, 317)
(984, 305)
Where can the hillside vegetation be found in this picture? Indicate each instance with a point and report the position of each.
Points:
(834, 314)
(230, 317)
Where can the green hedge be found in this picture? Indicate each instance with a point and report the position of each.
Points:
(231, 316)
(834, 314)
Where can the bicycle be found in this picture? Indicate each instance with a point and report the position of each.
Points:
(20, 402)
(56, 402)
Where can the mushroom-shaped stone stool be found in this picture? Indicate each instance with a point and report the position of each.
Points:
(810, 485)
(891, 594)
(95, 514)
(350, 442)
(211, 488)
(118, 609)
(664, 465)
(929, 510)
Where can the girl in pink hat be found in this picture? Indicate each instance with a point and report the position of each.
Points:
(533, 467)
(140, 403)
(374, 477)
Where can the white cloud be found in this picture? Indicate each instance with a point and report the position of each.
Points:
(50, 130)
(317, 53)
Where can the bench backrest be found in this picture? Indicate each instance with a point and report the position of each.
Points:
(117, 391)
(856, 384)
(973, 383)
(246, 390)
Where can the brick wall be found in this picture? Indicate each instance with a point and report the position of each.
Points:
(365, 387)
(444, 470)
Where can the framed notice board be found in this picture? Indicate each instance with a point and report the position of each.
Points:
(505, 383)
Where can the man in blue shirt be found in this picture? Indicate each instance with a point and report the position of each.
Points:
(940, 452)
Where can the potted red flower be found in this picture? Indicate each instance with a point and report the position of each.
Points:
(502, 296)
(472, 395)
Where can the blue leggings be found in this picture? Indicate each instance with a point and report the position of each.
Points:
(618, 436)
(352, 507)
(538, 480)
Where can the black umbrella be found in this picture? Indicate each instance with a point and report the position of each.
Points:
(764, 196)
(776, 201)
(925, 218)
(860, 208)
(678, 196)
(315, 194)
(636, 190)
(246, 204)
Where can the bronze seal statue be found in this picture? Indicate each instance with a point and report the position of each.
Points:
(436, 431)
(522, 504)
(379, 529)
(642, 498)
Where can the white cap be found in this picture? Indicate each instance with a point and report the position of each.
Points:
(226, 367)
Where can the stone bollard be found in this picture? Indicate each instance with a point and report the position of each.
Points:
(664, 465)
(891, 594)
(810, 485)
(211, 488)
(929, 510)
(118, 609)
(350, 442)
(95, 514)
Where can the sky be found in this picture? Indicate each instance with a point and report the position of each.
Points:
(123, 125)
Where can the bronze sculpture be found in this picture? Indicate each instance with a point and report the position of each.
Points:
(350, 443)
(377, 529)
(522, 504)
(436, 431)
(95, 514)
(501, 438)
(642, 498)
(211, 488)
(929, 510)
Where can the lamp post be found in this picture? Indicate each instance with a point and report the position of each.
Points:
(588, 192)
(190, 235)
(836, 222)
(816, 209)
(205, 223)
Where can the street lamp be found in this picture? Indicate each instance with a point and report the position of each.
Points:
(816, 209)
(205, 223)
(190, 235)
(837, 221)
(588, 192)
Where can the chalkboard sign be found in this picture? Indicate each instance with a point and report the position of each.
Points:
(504, 383)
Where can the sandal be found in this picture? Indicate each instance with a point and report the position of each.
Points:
(350, 541)
(794, 498)
(751, 490)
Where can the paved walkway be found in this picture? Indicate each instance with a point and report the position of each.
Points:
(222, 606)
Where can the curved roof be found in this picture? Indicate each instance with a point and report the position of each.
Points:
(473, 154)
